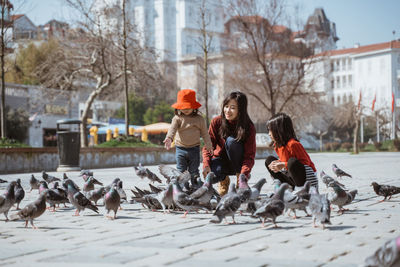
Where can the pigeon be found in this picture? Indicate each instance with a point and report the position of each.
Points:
(155, 189)
(32, 210)
(292, 201)
(338, 196)
(256, 189)
(140, 171)
(85, 174)
(339, 173)
(108, 187)
(244, 190)
(95, 194)
(48, 178)
(65, 178)
(152, 176)
(153, 201)
(385, 190)
(206, 191)
(172, 173)
(273, 208)
(326, 179)
(227, 206)
(320, 208)
(387, 255)
(77, 199)
(112, 201)
(7, 200)
(19, 193)
(89, 185)
(3, 181)
(183, 200)
(34, 183)
(121, 191)
(61, 192)
(52, 195)
(305, 191)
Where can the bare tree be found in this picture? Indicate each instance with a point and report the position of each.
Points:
(5, 23)
(205, 40)
(125, 65)
(266, 63)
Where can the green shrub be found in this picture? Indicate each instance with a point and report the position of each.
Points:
(8, 143)
(378, 145)
(362, 146)
(335, 146)
(396, 144)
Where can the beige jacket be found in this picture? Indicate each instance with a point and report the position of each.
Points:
(188, 130)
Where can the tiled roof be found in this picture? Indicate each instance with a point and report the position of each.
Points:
(362, 49)
(15, 17)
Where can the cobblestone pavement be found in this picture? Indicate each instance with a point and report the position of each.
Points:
(144, 238)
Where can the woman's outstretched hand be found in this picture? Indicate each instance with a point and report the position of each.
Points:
(276, 165)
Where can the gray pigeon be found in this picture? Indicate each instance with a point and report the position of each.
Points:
(244, 190)
(172, 173)
(32, 210)
(339, 173)
(19, 193)
(89, 185)
(227, 206)
(112, 201)
(7, 200)
(320, 208)
(52, 195)
(256, 189)
(121, 191)
(183, 200)
(153, 201)
(385, 190)
(155, 189)
(77, 199)
(115, 181)
(85, 174)
(326, 179)
(140, 171)
(152, 176)
(292, 201)
(387, 255)
(273, 208)
(61, 192)
(49, 178)
(206, 191)
(338, 196)
(34, 183)
(95, 194)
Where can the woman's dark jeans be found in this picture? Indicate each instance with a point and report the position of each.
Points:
(295, 175)
(188, 159)
(228, 163)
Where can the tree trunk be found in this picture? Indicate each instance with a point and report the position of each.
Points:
(125, 70)
(355, 137)
(3, 86)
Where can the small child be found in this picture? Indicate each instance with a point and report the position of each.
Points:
(188, 126)
(294, 165)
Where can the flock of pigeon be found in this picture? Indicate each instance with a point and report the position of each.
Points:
(179, 192)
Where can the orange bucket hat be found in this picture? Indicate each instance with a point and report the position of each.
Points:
(186, 100)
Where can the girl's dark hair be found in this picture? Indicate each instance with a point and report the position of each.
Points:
(178, 112)
(282, 130)
(241, 130)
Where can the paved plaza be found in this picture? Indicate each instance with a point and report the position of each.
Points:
(139, 237)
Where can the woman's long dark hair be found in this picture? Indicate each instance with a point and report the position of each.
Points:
(282, 130)
(241, 131)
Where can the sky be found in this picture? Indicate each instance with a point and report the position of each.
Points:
(357, 21)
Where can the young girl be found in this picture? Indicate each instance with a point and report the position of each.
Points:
(187, 127)
(233, 137)
(294, 165)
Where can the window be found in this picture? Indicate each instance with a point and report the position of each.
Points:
(344, 64)
(350, 81)
(344, 99)
(338, 100)
(350, 64)
(332, 83)
(337, 82)
(344, 82)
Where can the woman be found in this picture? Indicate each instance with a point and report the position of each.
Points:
(233, 137)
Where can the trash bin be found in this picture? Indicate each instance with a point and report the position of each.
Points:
(69, 145)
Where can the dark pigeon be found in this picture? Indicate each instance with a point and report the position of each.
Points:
(32, 210)
(244, 190)
(385, 190)
(77, 199)
(19, 193)
(61, 192)
(49, 178)
(52, 196)
(112, 201)
(227, 206)
(155, 189)
(338, 172)
(273, 208)
(95, 194)
(115, 181)
(3, 181)
(89, 185)
(153, 201)
(152, 176)
(121, 191)
(7, 200)
(183, 200)
(172, 173)
(140, 171)
(320, 208)
(206, 191)
(34, 183)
